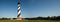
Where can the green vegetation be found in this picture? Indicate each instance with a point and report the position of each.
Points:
(29, 21)
(36, 19)
(9, 21)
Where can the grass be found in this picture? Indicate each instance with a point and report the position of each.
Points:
(9, 21)
(29, 21)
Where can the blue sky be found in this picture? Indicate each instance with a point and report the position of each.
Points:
(30, 8)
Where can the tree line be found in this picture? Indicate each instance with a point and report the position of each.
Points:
(6, 18)
(45, 18)
(36, 18)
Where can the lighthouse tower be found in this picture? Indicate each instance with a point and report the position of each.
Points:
(19, 11)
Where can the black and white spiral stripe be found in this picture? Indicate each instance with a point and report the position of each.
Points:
(19, 10)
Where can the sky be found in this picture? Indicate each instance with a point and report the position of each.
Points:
(30, 8)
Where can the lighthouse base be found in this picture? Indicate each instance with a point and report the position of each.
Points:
(19, 18)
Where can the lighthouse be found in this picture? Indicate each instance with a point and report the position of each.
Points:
(19, 11)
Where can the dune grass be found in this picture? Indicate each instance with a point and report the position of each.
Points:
(28, 21)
